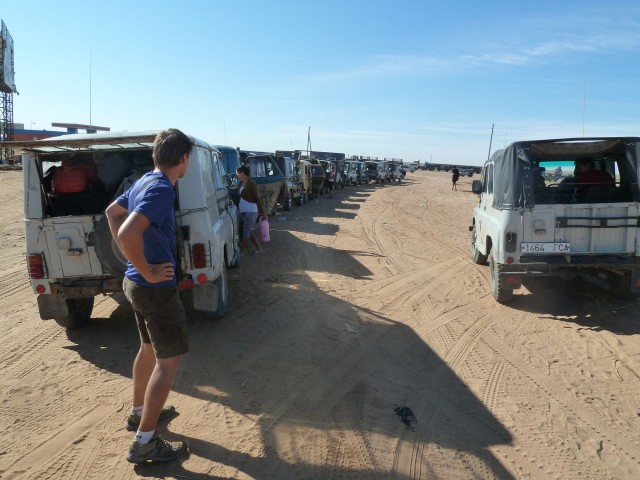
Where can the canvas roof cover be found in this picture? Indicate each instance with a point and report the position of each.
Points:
(514, 164)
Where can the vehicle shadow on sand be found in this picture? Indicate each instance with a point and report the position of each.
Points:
(316, 379)
(584, 301)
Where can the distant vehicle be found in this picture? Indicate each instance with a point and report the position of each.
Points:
(307, 179)
(387, 171)
(292, 190)
(230, 160)
(268, 177)
(351, 172)
(318, 179)
(466, 172)
(376, 171)
(395, 172)
(362, 176)
(407, 168)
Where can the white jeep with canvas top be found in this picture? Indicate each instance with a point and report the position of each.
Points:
(584, 221)
(68, 183)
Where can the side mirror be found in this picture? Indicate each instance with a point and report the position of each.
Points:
(476, 186)
(232, 180)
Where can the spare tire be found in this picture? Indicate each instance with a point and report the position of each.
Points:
(111, 258)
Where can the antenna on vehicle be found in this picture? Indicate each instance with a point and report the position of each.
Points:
(490, 141)
(309, 142)
(90, 54)
(584, 97)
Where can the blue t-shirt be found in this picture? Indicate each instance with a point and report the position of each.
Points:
(154, 200)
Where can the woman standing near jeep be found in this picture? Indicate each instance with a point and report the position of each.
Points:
(250, 206)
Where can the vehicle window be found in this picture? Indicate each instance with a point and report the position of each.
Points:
(216, 167)
(257, 168)
(207, 174)
(269, 168)
(487, 181)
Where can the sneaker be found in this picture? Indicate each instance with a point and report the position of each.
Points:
(257, 252)
(158, 450)
(133, 421)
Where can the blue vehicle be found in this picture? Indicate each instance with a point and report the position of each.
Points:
(230, 161)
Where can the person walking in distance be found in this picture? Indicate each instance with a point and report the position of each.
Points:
(331, 180)
(455, 175)
(142, 223)
(250, 206)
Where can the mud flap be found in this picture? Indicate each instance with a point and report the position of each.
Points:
(52, 306)
(205, 298)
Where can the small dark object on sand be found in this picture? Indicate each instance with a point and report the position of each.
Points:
(407, 417)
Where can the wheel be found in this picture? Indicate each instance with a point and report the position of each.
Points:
(111, 258)
(476, 256)
(305, 196)
(79, 313)
(500, 293)
(300, 200)
(222, 284)
(288, 202)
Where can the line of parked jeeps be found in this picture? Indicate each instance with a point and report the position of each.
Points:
(69, 181)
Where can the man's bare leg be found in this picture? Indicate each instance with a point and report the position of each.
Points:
(158, 388)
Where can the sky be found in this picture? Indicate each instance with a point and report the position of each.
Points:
(424, 80)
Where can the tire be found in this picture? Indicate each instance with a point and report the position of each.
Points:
(79, 313)
(305, 197)
(288, 203)
(476, 256)
(501, 294)
(222, 282)
(111, 258)
(301, 199)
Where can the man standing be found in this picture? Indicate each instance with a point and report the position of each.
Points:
(455, 175)
(142, 222)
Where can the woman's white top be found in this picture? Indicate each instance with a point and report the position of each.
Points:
(247, 207)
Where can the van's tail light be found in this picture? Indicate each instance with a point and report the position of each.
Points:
(512, 281)
(36, 266)
(199, 255)
(511, 240)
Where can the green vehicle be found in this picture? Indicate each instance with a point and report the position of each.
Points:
(268, 177)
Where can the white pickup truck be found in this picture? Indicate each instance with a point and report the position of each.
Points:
(71, 256)
(526, 225)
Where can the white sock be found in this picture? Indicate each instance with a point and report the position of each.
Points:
(144, 437)
(137, 410)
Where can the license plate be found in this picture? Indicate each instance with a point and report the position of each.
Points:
(546, 247)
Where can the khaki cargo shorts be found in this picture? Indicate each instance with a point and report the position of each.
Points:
(161, 318)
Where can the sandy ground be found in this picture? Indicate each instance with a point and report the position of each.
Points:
(360, 304)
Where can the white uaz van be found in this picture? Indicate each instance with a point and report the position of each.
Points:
(71, 256)
(558, 208)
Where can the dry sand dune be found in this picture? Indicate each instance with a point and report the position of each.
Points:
(360, 304)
